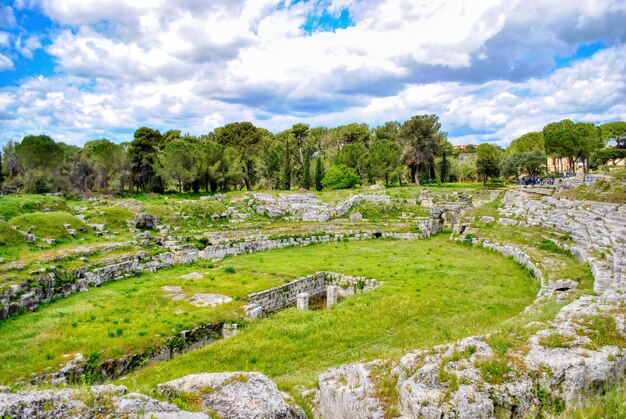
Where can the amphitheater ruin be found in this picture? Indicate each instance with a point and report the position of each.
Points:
(557, 357)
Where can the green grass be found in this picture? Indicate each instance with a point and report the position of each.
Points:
(111, 217)
(601, 191)
(137, 307)
(602, 330)
(556, 340)
(377, 211)
(609, 402)
(9, 237)
(48, 224)
(435, 291)
(15, 205)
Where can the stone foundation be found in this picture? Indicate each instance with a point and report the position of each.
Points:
(275, 299)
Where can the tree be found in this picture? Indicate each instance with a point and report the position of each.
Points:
(488, 158)
(246, 139)
(106, 158)
(306, 172)
(388, 131)
(209, 156)
(384, 158)
(510, 166)
(39, 152)
(527, 142)
(171, 135)
(355, 157)
(272, 157)
(340, 177)
(354, 134)
(532, 162)
(422, 139)
(178, 162)
(143, 152)
(589, 140)
(614, 131)
(573, 141)
(286, 138)
(319, 174)
(446, 149)
(611, 155)
(82, 176)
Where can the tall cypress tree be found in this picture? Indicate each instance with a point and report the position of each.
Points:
(444, 166)
(319, 174)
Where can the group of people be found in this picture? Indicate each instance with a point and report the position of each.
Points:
(536, 180)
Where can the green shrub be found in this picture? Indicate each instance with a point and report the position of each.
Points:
(340, 177)
(229, 270)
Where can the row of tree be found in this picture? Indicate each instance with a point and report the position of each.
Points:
(241, 155)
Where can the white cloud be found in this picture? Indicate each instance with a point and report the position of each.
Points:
(195, 65)
(5, 63)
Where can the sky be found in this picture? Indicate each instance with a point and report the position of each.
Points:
(492, 70)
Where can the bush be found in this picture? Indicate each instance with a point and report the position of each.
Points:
(340, 177)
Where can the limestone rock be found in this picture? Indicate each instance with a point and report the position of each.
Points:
(356, 216)
(146, 221)
(193, 275)
(239, 395)
(99, 401)
(348, 392)
(487, 219)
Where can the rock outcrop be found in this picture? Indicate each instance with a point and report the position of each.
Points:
(99, 401)
(236, 395)
(146, 221)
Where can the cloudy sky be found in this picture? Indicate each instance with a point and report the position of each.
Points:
(492, 70)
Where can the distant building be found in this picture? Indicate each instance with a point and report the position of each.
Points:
(466, 148)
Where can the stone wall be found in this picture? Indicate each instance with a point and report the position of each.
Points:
(96, 370)
(275, 299)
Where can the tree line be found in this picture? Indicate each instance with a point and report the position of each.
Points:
(241, 155)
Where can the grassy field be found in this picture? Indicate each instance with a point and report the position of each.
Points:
(435, 291)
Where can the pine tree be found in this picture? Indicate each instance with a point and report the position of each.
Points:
(319, 174)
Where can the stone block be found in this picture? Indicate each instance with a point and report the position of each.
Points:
(302, 301)
(332, 292)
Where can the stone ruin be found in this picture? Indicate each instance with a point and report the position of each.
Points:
(564, 373)
(299, 291)
(307, 207)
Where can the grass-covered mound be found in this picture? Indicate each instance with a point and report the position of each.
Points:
(15, 205)
(111, 217)
(48, 224)
(8, 236)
